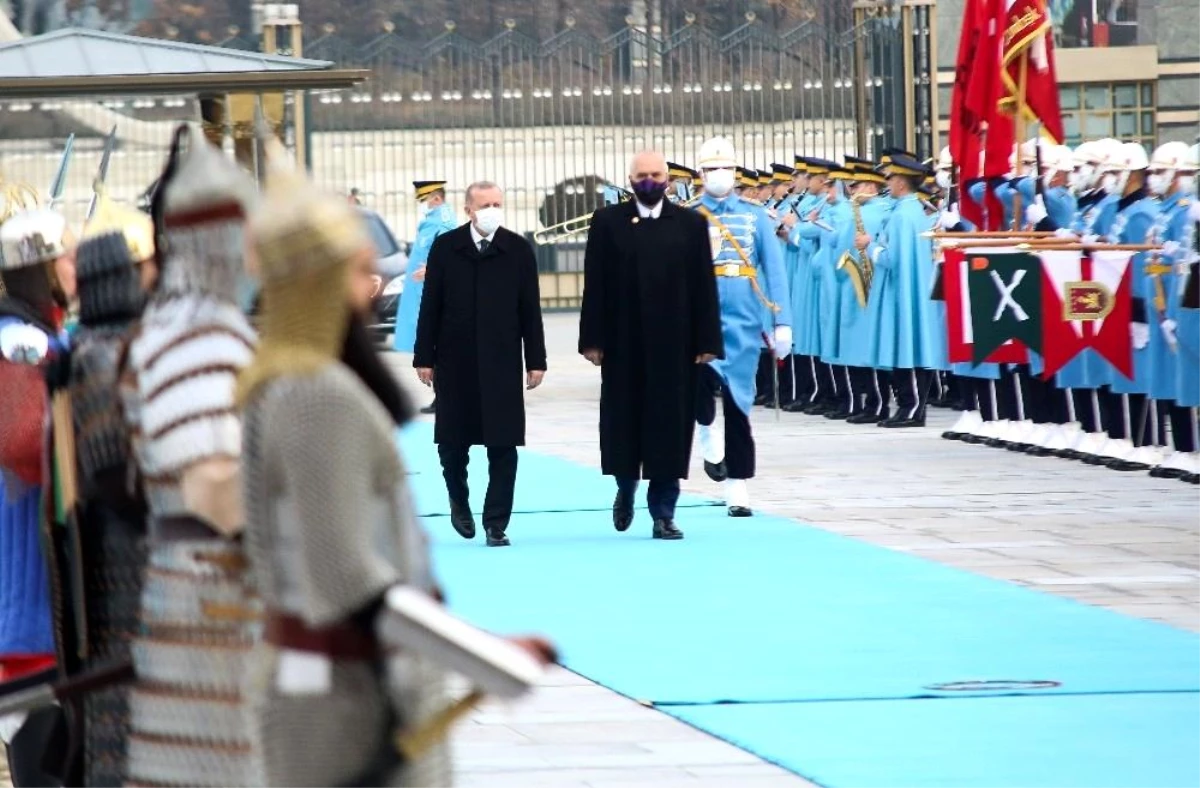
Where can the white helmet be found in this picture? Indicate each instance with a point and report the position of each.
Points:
(717, 152)
(1086, 154)
(1191, 162)
(1132, 156)
(1169, 156)
(1029, 149)
(1111, 154)
(945, 160)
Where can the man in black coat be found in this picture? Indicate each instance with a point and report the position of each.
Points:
(650, 319)
(480, 308)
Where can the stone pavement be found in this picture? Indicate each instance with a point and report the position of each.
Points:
(1122, 541)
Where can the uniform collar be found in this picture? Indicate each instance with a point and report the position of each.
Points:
(1131, 198)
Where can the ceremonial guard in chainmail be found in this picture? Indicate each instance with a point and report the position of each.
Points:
(115, 266)
(188, 723)
(37, 270)
(330, 525)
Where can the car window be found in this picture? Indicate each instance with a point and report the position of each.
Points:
(385, 243)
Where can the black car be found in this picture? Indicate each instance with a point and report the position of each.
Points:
(390, 280)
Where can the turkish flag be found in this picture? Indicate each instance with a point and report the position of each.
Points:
(1087, 304)
(966, 122)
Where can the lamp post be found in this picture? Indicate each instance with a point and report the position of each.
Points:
(269, 19)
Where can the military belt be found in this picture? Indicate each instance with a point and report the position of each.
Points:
(735, 270)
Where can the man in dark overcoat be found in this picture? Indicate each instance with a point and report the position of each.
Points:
(650, 318)
(481, 308)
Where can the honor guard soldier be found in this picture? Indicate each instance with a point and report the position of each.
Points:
(829, 251)
(908, 334)
(749, 267)
(37, 269)
(806, 290)
(436, 218)
(869, 397)
(682, 180)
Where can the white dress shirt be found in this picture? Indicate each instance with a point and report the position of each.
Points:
(477, 238)
(650, 213)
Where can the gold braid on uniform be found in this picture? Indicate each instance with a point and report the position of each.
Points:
(303, 240)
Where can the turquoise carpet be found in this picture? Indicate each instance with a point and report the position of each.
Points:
(810, 649)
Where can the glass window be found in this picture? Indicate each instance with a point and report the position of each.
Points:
(1147, 95)
(1068, 97)
(1125, 96)
(1095, 126)
(385, 242)
(1127, 125)
(1097, 97)
(1071, 125)
(1148, 125)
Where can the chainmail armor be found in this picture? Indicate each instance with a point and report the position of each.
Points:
(343, 541)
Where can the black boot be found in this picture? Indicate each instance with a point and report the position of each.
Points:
(665, 529)
(622, 511)
(496, 538)
(462, 520)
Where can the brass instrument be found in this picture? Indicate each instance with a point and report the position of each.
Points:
(563, 230)
(860, 270)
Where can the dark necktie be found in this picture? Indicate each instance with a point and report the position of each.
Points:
(483, 245)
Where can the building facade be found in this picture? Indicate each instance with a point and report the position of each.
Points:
(1128, 69)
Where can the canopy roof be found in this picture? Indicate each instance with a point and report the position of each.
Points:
(86, 63)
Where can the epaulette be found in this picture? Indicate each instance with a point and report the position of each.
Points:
(752, 202)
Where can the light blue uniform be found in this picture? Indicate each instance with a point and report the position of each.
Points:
(805, 292)
(1133, 223)
(829, 249)
(439, 220)
(908, 330)
(854, 329)
(1171, 225)
(741, 307)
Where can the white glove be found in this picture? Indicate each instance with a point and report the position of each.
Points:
(1035, 213)
(1090, 238)
(949, 219)
(1063, 232)
(1194, 212)
(783, 341)
(1168, 328)
(1170, 248)
(1140, 334)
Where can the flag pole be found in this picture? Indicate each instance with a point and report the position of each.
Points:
(1022, 85)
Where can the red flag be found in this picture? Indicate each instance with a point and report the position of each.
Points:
(966, 124)
(1090, 296)
(1027, 55)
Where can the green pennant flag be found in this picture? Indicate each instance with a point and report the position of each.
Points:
(1006, 301)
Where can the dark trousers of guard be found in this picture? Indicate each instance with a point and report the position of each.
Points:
(739, 443)
(502, 478)
(1183, 428)
(869, 396)
(803, 382)
(911, 387)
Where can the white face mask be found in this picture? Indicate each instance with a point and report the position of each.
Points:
(1109, 182)
(422, 210)
(1028, 170)
(1081, 178)
(1159, 183)
(718, 183)
(943, 178)
(1187, 184)
(1122, 182)
(488, 220)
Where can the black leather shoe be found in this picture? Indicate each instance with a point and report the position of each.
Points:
(837, 415)
(761, 400)
(430, 408)
(740, 511)
(716, 471)
(973, 439)
(902, 423)
(1159, 472)
(1126, 466)
(1068, 454)
(1038, 451)
(863, 418)
(795, 406)
(816, 409)
(496, 538)
(665, 529)
(951, 435)
(622, 512)
(1191, 478)
(462, 520)
(1024, 448)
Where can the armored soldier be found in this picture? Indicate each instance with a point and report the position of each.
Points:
(38, 272)
(197, 616)
(116, 269)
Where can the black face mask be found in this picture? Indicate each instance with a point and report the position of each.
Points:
(649, 192)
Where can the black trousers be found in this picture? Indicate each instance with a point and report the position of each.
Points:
(502, 479)
(39, 749)
(1037, 396)
(804, 382)
(912, 387)
(739, 442)
(1089, 409)
(1184, 429)
(825, 382)
(661, 495)
(876, 389)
